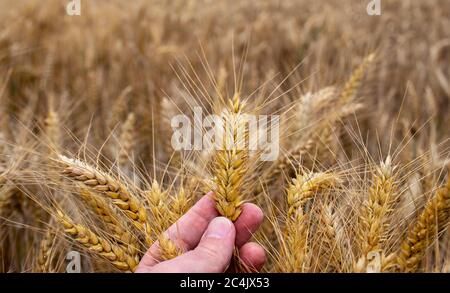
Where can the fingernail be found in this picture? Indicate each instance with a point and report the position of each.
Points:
(219, 227)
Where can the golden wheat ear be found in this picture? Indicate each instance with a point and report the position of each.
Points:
(383, 194)
(44, 253)
(111, 219)
(123, 198)
(231, 162)
(294, 248)
(127, 141)
(354, 83)
(431, 221)
(98, 245)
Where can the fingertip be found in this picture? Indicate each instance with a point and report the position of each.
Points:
(253, 212)
(248, 222)
(209, 197)
(253, 256)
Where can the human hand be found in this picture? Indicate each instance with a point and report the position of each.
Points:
(208, 241)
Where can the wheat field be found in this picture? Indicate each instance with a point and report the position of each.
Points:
(87, 164)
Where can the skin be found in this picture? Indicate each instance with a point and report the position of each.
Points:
(208, 241)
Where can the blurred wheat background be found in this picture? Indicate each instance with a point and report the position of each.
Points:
(86, 163)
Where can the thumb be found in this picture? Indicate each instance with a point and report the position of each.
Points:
(212, 255)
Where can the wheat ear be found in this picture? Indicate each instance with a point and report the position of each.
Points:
(111, 188)
(159, 211)
(329, 241)
(161, 219)
(284, 164)
(354, 82)
(110, 218)
(127, 142)
(167, 248)
(98, 245)
(180, 204)
(305, 187)
(6, 200)
(44, 255)
(52, 129)
(427, 226)
(231, 163)
(373, 219)
(302, 189)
